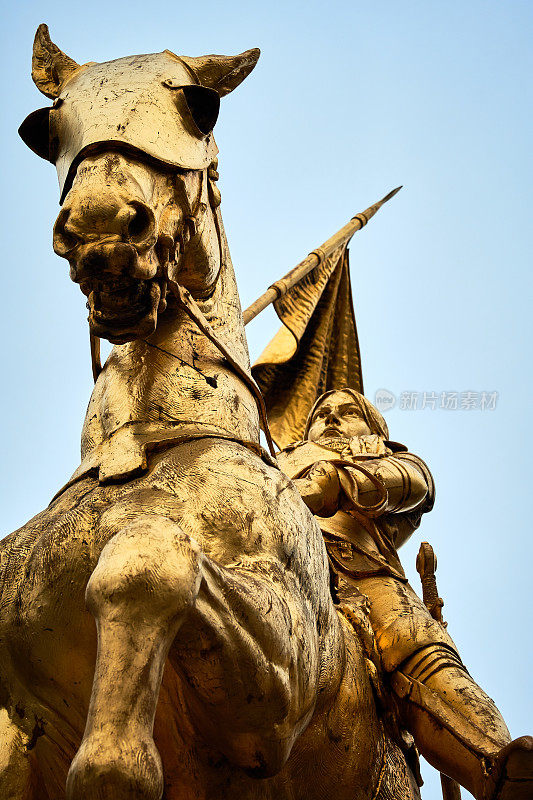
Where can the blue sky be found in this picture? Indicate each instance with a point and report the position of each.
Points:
(348, 100)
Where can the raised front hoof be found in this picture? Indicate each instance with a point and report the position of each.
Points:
(516, 777)
(104, 771)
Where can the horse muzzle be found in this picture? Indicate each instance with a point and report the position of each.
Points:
(123, 310)
(122, 286)
(111, 248)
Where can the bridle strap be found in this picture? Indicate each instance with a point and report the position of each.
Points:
(95, 355)
(194, 312)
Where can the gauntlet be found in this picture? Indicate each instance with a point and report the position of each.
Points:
(320, 488)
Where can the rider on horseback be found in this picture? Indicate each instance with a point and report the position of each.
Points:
(368, 495)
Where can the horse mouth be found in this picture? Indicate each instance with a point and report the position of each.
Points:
(122, 310)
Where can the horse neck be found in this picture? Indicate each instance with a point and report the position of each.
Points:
(223, 308)
(177, 379)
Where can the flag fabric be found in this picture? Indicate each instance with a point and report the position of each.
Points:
(315, 350)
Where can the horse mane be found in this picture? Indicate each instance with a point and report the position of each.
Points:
(222, 308)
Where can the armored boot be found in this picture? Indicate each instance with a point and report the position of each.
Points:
(458, 728)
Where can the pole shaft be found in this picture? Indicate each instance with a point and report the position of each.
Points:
(450, 788)
(316, 257)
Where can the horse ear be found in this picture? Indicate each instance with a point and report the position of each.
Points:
(223, 73)
(50, 67)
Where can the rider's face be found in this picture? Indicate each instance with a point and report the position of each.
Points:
(339, 416)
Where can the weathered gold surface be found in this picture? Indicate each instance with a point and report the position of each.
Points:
(161, 105)
(218, 666)
(368, 495)
(167, 625)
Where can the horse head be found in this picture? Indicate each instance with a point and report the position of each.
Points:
(132, 141)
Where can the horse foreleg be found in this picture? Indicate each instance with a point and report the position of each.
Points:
(15, 769)
(249, 657)
(146, 579)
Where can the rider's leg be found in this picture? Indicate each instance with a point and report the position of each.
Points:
(427, 671)
(458, 728)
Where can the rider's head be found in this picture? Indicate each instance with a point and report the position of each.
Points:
(344, 413)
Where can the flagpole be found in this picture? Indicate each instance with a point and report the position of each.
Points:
(316, 257)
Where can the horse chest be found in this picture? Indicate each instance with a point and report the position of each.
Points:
(45, 628)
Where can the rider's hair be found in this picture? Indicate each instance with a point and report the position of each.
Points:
(368, 412)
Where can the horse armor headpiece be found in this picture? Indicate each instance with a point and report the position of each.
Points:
(161, 105)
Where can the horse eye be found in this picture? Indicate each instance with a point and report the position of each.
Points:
(203, 104)
(35, 132)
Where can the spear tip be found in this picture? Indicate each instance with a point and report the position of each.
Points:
(363, 217)
(390, 195)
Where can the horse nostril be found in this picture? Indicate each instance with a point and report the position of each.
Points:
(64, 241)
(139, 224)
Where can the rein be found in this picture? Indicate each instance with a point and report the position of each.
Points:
(194, 312)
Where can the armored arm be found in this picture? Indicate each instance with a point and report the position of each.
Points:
(405, 477)
(320, 489)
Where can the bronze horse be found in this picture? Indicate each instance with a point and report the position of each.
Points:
(218, 666)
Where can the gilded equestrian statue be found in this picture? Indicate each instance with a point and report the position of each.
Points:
(218, 666)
